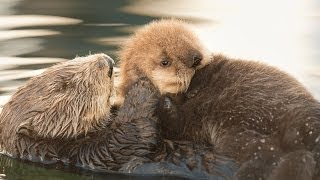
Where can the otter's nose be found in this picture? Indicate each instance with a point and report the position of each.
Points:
(196, 60)
(106, 61)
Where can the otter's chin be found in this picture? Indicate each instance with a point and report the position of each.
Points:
(171, 83)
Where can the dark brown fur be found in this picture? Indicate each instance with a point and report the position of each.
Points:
(251, 112)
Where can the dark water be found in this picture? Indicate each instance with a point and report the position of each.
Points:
(35, 34)
(15, 169)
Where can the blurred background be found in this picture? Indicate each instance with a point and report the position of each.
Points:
(35, 34)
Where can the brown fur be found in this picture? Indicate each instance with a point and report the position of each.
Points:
(157, 41)
(251, 112)
(295, 165)
(123, 142)
(66, 101)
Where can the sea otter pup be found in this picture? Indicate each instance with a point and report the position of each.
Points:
(167, 52)
(249, 111)
(63, 115)
(252, 112)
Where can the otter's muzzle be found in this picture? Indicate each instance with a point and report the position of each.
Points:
(107, 60)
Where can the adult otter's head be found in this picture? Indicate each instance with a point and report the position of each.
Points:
(165, 51)
(66, 100)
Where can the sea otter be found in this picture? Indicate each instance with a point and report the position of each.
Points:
(252, 112)
(67, 101)
(64, 116)
(167, 52)
(249, 111)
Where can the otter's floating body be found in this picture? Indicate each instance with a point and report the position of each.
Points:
(251, 112)
(63, 115)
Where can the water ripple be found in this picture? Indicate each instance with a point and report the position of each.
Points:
(14, 21)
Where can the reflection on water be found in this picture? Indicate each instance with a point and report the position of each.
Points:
(18, 21)
(14, 169)
(35, 34)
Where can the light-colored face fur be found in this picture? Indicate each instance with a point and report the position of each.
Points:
(159, 41)
(67, 100)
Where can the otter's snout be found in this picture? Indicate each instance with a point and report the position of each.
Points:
(106, 61)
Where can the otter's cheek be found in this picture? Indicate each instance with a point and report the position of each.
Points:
(170, 81)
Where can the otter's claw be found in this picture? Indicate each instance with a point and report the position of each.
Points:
(167, 103)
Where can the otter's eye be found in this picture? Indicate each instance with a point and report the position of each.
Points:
(165, 63)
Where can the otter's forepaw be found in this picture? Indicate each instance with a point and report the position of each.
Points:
(142, 90)
(144, 82)
(168, 107)
(134, 162)
(167, 103)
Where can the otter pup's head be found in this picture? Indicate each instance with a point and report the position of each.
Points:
(165, 51)
(66, 100)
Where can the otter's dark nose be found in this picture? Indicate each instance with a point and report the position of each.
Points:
(110, 63)
(196, 60)
(106, 61)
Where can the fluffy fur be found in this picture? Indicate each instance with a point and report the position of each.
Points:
(169, 40)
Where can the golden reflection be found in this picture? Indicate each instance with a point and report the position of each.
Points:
(21, 75)
(28, 61)
(106, 24)
(14, 34)
(113, 41)
(14, 21)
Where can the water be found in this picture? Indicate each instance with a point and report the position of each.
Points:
(34, 34)
(14, 169)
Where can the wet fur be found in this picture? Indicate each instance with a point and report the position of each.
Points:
(128, 141)
(66, 101)
(252, 112)
(131, 143)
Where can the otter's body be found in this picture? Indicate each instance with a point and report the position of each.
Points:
(64, 116)
(249, 111)
(129, 135)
